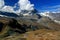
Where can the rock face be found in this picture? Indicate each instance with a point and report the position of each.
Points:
(47, 22)
(15, 25)
(1, 26)
(54, 16)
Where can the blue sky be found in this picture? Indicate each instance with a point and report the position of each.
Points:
(40, 5)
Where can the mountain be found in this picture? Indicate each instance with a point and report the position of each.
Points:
(24, 14)
(30, 13)
(8, 14)
(14, 28)
(54, 16)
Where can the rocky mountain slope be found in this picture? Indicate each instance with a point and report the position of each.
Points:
(54, 16)
(27, 27)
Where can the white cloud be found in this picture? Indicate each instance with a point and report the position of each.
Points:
(54, 9)
(8, 9)
(21, 5)
(1, 3)
(25, 5)
(5, 8)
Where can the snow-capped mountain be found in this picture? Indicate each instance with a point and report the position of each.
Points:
(30, 13)
(23, 13)
(8, 14)
(45, 14)
(52, 15)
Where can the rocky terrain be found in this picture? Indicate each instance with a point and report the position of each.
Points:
(28, 29)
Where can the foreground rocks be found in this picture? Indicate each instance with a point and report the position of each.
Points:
(42, 34)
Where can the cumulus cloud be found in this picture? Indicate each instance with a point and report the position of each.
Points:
(7, 9)
(20, 5)
(1, 3)
(25, 5)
